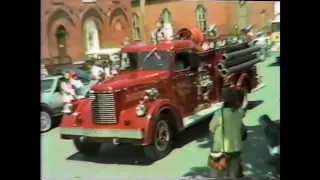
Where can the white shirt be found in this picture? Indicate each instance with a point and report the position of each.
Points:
(76, 83)
(96, 71)
(110, 71)
(107, 71)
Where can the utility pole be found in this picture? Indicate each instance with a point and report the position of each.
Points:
(142, 19)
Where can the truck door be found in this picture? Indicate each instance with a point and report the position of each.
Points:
(184, 83)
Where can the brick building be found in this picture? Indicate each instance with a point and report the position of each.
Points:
(188, 14)
(73, 27)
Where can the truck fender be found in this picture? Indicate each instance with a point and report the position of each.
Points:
(244, 80)
(154, 113)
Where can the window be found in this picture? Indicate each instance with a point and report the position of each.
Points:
(182, 61)
(158, 60)
(136, 27)
(201, 17)
(244, 14)
(47, 85)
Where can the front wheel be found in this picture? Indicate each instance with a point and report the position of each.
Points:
(162, 142)
(86, 147)
(46, 121)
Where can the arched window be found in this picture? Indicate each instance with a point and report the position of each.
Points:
(244, 10)
(136, 27)
(166, 16)
(201, 17)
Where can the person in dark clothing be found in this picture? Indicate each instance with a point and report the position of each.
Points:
(272, 133)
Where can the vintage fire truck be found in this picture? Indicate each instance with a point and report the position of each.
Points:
(167, 88)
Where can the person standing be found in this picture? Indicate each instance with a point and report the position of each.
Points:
(44, 72)
(161, 33)
(68, 92)
(228, 133)
(124, 56)
(107, 69)
(77, 85)
(97, 72)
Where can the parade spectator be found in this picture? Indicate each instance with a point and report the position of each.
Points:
(228, 135)
(68, 92)
(272, 133)
(107, 68)
(124, 56)
(161, 33)
(97, 71)
(44, 72)
(77, 84)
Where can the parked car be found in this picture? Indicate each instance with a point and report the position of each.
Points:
(51, 97)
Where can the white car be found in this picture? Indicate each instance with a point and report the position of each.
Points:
(52, 100)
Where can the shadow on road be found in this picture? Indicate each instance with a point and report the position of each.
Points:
(133, 155)
(274, 64)
(254, 156)
(110, 154)
(254, 104)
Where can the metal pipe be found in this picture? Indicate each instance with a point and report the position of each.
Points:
(236, 54)
(236, 47)
(220, 66)
(241, 60)
(226, 72)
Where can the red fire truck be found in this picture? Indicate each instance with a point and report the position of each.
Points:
(166, 88)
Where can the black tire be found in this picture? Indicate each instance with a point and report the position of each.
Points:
(154, 151)
(87, 148)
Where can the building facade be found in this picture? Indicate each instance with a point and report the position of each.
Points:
(74, 27)
(188, 14)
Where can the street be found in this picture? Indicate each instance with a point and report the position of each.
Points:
(60, 159)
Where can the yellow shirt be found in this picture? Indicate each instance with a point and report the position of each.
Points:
(233, 129)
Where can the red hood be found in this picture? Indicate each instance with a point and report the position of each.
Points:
(127, 79)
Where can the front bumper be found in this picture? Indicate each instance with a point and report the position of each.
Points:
(103, 133)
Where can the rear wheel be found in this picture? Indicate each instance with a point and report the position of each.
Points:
(162, 142)
(86, 147)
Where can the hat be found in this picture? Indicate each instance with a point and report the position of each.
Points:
(73, 75)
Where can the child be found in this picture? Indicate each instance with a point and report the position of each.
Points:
(77, 84)
(68, 92)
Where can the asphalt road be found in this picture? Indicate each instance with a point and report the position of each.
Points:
(60, 160)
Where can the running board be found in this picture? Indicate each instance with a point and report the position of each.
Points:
(260, 86)
(201, 115)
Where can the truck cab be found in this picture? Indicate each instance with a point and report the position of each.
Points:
(166, 88)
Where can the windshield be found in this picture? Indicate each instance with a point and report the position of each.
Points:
(46, 85)
(275, 27)
(148, 61)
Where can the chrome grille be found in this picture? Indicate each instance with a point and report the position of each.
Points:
(103, 107)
